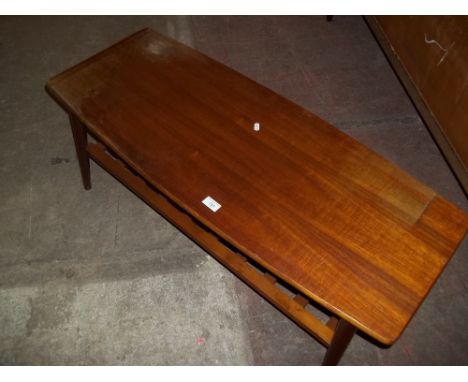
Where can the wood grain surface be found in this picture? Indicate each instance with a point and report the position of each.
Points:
(309, 203)
(430, 56)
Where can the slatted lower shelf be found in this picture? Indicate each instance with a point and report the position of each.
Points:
(263, 282)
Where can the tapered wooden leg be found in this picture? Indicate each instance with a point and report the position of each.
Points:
(81, 140)
(344, 332)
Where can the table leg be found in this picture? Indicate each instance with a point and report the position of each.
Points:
(344, 332)
(81, 140)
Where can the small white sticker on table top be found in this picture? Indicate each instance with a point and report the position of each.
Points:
(212, 204)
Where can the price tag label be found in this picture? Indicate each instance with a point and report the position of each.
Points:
(212, 204)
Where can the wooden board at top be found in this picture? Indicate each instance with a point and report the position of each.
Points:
(430, 56)
(312, 205)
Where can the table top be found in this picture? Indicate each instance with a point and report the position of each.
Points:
(316, 208)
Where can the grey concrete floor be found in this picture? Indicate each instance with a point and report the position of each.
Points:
(98, 278)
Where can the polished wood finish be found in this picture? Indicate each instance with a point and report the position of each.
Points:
(430, 56)
(315, 208)
(80, 137)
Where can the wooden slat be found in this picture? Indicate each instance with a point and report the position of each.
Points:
(332, 322)
(270, 278)
(301, 300)
(233, 261)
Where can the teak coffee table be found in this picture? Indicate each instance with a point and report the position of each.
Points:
(270, 190)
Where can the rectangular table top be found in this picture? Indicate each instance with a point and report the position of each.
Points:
(309, 203)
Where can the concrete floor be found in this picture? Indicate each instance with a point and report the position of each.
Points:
(98, 278)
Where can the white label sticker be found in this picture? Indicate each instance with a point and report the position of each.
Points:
(212, 204)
